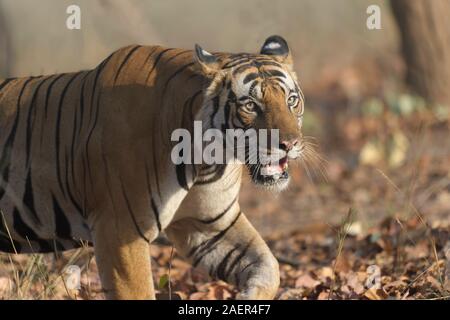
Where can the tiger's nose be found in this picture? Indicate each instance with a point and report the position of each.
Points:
(288, 145)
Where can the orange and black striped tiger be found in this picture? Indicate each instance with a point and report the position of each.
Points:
(86, 156)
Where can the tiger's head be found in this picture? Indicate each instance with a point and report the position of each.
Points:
(257, 91)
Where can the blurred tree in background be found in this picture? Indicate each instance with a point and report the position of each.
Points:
(5, 54)
(425, 32)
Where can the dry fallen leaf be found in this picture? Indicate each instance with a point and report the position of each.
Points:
(292, 294)
(323, 295)
(306, 281)
(198, 296)
(6, 285)
(220, 292)
(354, 282)
(377, 294)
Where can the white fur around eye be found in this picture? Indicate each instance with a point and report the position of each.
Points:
(272, 45)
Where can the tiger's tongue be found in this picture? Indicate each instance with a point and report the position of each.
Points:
(271, 169)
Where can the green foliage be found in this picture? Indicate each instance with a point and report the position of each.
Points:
(163, 282)
(405, 104)
(373, 107)
(441, 112)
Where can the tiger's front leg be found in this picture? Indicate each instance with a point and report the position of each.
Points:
(231, 250)
(123, 258)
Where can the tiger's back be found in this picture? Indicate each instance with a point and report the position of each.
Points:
(58, 132)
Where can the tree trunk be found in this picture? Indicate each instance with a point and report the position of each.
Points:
(5, 53)
(425, 33)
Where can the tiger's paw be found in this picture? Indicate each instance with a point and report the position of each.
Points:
(258, 293)
(263, 285)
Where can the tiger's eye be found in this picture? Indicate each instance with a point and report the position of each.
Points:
(250, 106)
(292, 101)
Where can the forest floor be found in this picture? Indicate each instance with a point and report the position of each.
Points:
(396, 260)
(372, 221)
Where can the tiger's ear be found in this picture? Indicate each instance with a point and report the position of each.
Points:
(277, 48)
(208, 63)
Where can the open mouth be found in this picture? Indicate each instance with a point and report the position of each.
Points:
(271, 174)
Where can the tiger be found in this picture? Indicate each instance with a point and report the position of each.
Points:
(86, 158)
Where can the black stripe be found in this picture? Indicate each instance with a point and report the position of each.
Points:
(49, 89)
(155, 168)
(108, 182)
(219, 174)
(94, 87)
(216, 101)
(251, 76)
(265, 59)
(128, 56)
(279, 82)
(191, 105)
(212, 220)
(207, 170)
(220, 271)
(82, 104)
(243, 68)
(178, 54)
(132, 214)
(44, 114)
(243, 98)
(62, 224)
(4, 83)
(5, 160)
(88, 140)
(227, 111)
(30, 121)
(252, 87)
(238, 258)
(181, 174)
(58, 134)
(67, 185)
(149, 55)
(80, 128)
(152, 201)
(249, 60)
(256, 64)
(74, 130)
(274, 73)
(156, 62)
(208, 245)
(185, 123)
(235, 62)
(180, 169)
(181, 69)
(28, 197)
(262, 63)
(97, 74)
(156, 213)
(237, 274)
(248, 265)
